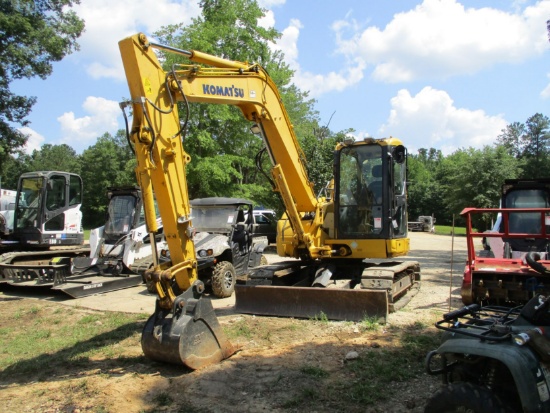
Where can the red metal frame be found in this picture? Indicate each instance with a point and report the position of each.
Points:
(506, 275)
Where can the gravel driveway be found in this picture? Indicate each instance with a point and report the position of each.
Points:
(439, 257)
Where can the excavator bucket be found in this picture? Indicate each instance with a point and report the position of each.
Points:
(190, 334)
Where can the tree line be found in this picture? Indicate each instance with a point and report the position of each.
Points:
(224, 152)
(445, 185)
(437, 184)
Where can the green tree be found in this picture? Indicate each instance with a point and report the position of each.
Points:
(318, 149)
(54, 158)
(12, 167)
(33, 34)
(473, 178)
(425, 193)
(530, 143)
(222, 148)
(47, 158)
(536, 141)
(104, 165)
(511, 138)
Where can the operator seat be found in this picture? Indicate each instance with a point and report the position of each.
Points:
(376, 186)
(240, 234)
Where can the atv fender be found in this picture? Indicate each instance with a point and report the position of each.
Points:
(522, 363)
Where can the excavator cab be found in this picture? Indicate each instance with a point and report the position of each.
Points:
(370, 201)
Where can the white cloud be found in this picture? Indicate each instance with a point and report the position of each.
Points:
(98, 71)
(82, 132)
(34, 139)
(288, 43)
(442, 38)
(268, 21)
(430, 120)
(436, 39)
(316, 84)
(108, 22)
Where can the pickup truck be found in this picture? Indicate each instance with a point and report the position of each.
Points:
(422, 224)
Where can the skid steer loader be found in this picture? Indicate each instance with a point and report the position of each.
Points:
(118, 254)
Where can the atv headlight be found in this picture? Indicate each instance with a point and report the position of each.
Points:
(205, 253)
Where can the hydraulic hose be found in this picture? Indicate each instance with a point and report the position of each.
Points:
(532, 259)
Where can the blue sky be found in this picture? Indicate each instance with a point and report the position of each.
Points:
(446, 74)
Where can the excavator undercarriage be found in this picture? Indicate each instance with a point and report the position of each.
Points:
(350, 291)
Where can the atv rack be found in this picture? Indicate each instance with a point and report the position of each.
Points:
(491, 323)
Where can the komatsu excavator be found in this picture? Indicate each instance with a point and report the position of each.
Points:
(361, 215)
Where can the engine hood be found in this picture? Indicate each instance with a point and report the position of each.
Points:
(206, 240)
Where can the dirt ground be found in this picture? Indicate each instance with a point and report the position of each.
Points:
(262, 376)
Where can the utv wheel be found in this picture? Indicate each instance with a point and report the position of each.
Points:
(465, 398)
(223, 279)
(151, 287)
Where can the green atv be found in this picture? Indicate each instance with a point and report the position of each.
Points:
(493, 359)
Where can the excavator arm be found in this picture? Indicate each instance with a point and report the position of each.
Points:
(183, 329)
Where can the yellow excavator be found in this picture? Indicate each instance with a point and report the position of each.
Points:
(362, 214)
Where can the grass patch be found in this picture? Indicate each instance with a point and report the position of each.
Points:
(448, 230)
(322, 317)
(239, 329)
(255, 329)
(376, 369)
(34, 310)
(369, 379)
(314, 371)
(43, 340)
(369, 324)
(90, 319)
(304, 398)
(417, 343)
